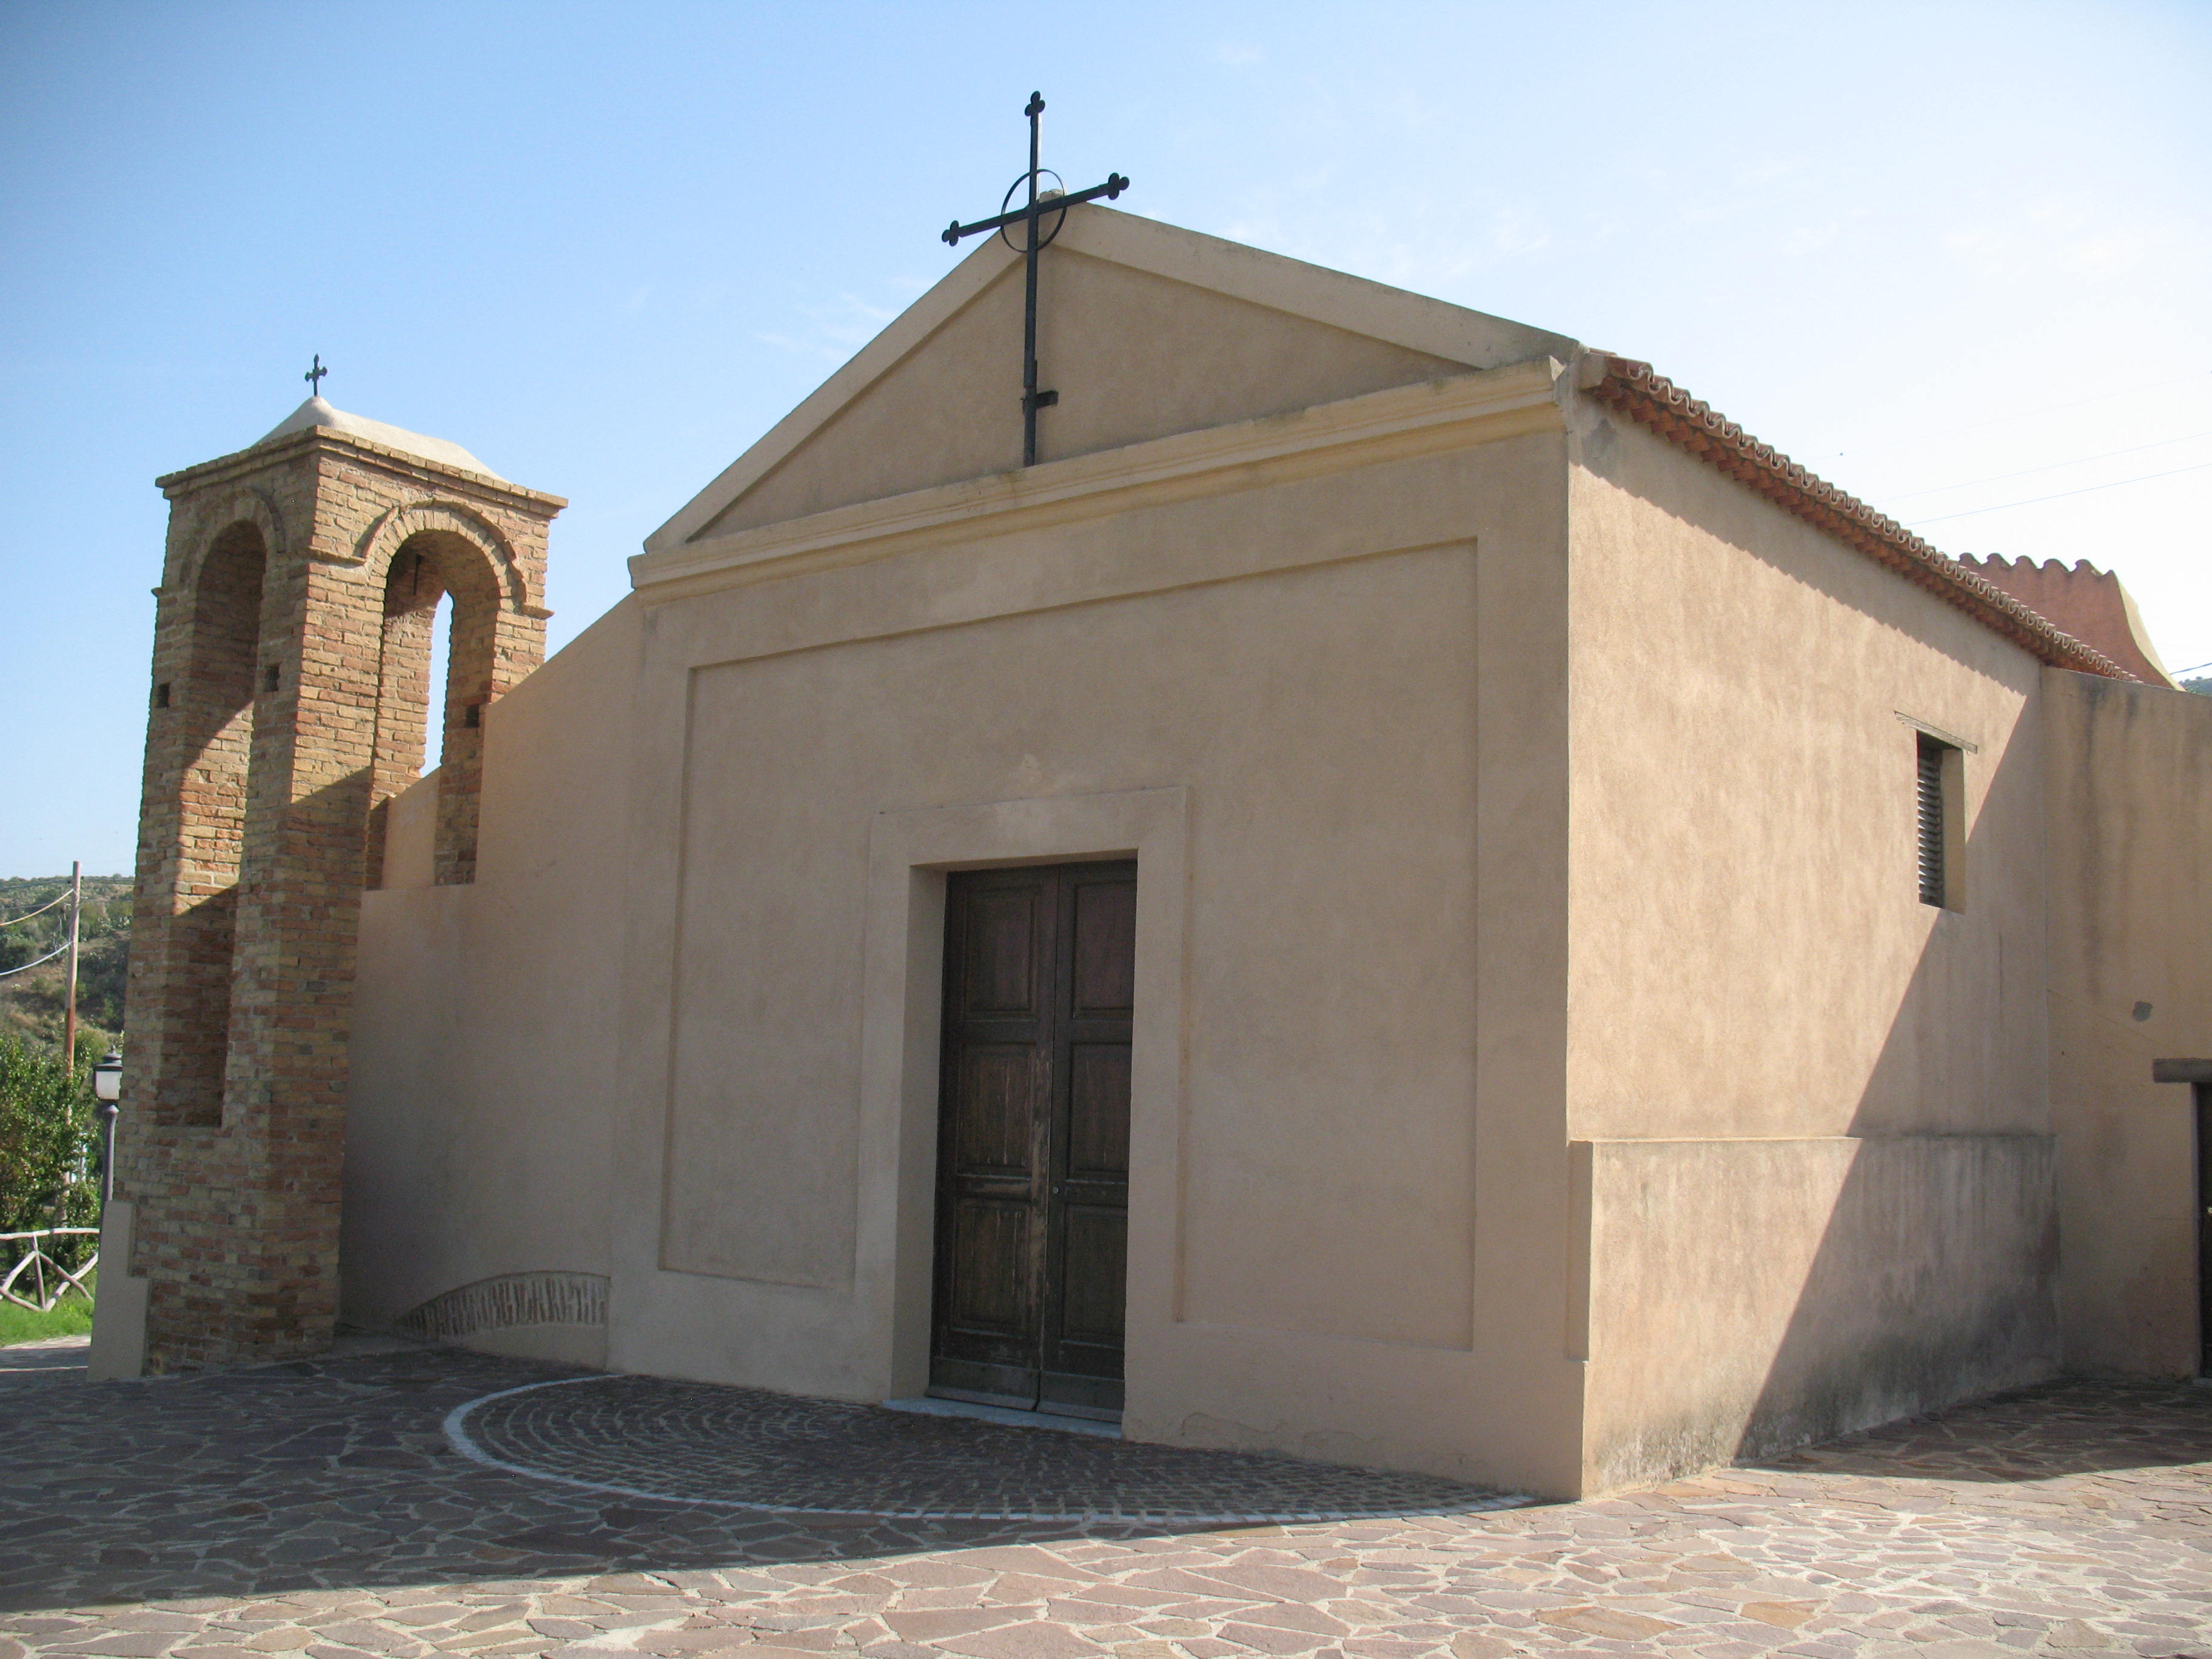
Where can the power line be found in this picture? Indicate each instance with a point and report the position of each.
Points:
(60, 898)
(59, 950)
(2053, 466)
(2061, 495)
(1926, 432)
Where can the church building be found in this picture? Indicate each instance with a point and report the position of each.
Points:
(1407, 894)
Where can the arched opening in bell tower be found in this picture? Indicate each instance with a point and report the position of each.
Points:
(425, 840)
(441, 656)
(216, 705)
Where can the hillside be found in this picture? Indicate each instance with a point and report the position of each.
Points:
(30, 1003)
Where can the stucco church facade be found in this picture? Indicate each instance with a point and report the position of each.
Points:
(1408, 895)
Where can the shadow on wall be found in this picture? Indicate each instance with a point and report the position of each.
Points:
(1764, 1292)
(2126, 768)
(1935, 1278)
(1899, 1252)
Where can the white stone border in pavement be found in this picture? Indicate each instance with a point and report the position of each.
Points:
(457, 1434)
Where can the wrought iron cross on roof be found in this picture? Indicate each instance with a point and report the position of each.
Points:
(1042, 203)
(313, 377)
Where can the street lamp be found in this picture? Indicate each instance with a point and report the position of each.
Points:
(107, 1089)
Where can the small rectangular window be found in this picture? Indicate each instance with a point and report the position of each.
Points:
(1941, 823)
(161, 695)
(276, 677)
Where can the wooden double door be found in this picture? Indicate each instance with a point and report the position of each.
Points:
(1033, 1137)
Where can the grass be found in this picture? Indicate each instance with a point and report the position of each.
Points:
(71, 1316)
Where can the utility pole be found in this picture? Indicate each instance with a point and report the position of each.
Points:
(68, 1014)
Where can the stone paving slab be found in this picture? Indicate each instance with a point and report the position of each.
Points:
(318, 1509)
(53, 1359)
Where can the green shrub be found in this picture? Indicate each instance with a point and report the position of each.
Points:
(48, 1151)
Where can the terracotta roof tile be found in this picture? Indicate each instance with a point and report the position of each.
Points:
(1651, 399)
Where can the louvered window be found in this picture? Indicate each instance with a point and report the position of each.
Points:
(1934, 889)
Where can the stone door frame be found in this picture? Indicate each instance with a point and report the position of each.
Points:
(909, 855)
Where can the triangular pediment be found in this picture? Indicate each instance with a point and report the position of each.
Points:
(1145, 330)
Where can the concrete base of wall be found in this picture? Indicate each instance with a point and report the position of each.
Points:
(118, 1314)
(561, 1345)
(1747, 1296)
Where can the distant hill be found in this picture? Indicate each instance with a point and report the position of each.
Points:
(30, 1003)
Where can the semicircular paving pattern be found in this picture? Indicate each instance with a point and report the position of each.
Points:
(698, 1442)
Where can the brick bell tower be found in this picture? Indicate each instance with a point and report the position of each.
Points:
(289, 700)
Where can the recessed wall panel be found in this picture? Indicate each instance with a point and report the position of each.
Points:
(1323, 719)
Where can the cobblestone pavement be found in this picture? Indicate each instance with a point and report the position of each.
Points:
(318, 1509)
(645, 1437)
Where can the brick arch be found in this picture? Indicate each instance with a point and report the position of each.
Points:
(240, 507)
(422, 554)
(394, 529)
(209, 709)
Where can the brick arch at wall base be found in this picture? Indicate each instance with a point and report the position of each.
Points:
(506, 1301)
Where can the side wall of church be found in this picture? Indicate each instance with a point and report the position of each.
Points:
(2130, 811)
(479, 1115)
(1811, 1121)
(1325, 707)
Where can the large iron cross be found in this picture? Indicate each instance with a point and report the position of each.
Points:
(1042, 203)
(313, 377)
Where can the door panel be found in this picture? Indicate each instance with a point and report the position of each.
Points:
(1002, 940)
(1033, 1153)
(1105, 965)
(1097, 1253)
(991, 1250)
(998, 1102)
(1099, 1109)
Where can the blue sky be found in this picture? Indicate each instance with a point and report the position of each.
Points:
(1953, 258)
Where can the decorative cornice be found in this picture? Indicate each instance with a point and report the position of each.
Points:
(1651, 400)
(173, 484)
(1390, 425)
